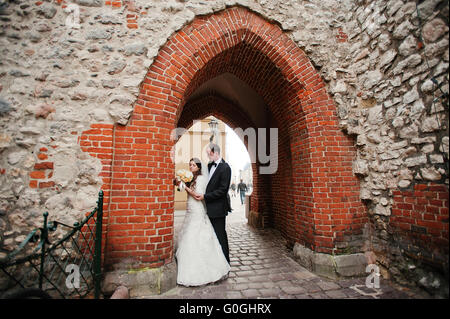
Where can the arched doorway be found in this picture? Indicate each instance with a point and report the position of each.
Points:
(312, 197)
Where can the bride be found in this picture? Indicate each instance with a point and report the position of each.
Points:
(199, 255)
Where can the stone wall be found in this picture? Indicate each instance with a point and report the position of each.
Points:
(385, 64)
(393, 96)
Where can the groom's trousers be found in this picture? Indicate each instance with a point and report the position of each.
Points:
(219, 227)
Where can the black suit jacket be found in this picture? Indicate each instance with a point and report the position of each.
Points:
(216, 195)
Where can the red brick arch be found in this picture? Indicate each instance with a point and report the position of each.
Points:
(313, 198)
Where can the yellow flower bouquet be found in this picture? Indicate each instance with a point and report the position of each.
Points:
(184, 176)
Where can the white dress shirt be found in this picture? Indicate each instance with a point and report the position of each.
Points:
(213, 168)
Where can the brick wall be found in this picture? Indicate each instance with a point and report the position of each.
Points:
(137, 223)
(419, 222)
(313, 198)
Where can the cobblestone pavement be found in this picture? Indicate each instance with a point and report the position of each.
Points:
(262, 267)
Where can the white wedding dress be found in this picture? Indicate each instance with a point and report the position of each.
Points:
(199, 255)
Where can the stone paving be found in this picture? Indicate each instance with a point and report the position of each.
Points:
(262, 267)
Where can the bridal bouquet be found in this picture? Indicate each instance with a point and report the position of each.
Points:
(184, 176)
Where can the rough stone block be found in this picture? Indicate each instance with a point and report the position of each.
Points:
(331, 266)
(89, 3)
(323, 265)
(121, 293)
(256, 220)
(351, 265)
(113, 280)
(304, 256)
(168, 278)
(140, 282)
(144, 281)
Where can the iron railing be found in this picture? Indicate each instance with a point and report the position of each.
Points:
(68, 268)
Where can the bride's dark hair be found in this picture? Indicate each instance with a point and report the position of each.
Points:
(199, 172)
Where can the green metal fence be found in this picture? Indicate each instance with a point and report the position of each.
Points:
(68, 268)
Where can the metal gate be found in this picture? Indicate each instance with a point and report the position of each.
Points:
(68, 268)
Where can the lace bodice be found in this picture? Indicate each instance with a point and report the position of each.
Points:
(200, 187)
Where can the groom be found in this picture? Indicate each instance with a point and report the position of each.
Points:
(216, 195)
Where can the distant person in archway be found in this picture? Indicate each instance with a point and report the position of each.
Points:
(242, 189)
(233, 189)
